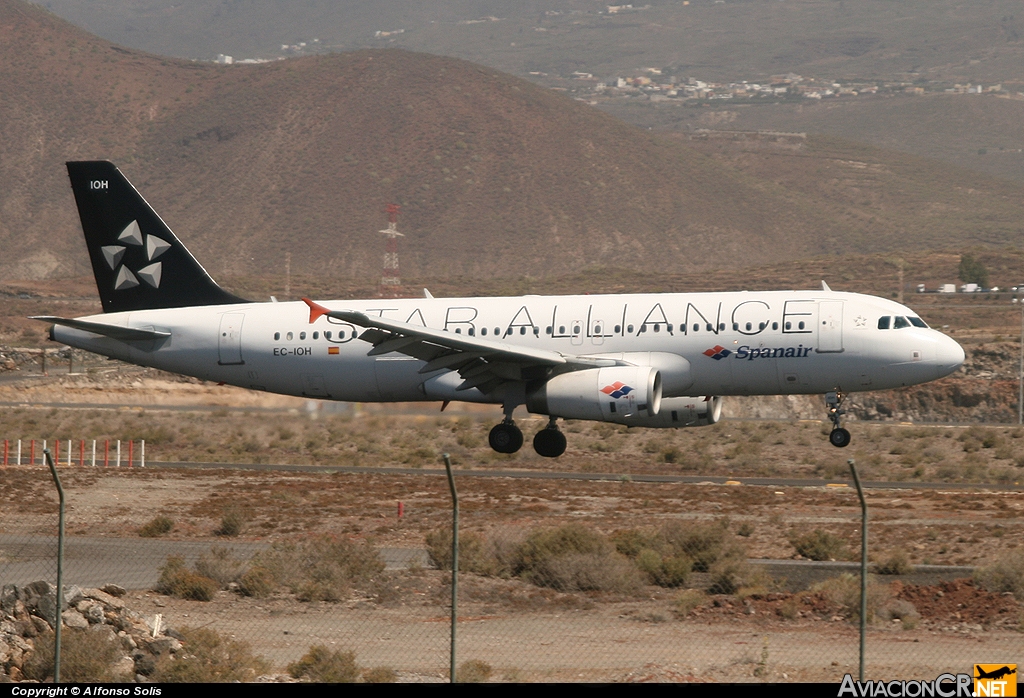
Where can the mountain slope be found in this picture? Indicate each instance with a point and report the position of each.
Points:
(496, 177)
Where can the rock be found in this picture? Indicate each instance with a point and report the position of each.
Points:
(74, 619)
(114, 590)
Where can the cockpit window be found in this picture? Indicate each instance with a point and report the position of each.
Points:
(917, 322)
(901, 322)
(883, 322)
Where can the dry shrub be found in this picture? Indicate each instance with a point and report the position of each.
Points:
(179, 581)
(87, 656)
(820, 545)
(321, 665)
(896, 562)
(475, 552)
(325, 568)
(689, 600)
(473, 671)
(231, 523)
(844, 592)
(704, 543)
(574, 558)
(207, 657)
(1004, 575)
(380, 674)
(220, 565)
(157, 527)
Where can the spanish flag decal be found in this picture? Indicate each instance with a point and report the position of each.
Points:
(333, 350)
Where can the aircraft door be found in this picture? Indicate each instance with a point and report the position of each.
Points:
(576, 327)
(830, 326)
(229, 341)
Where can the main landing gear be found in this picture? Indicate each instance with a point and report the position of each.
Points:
(508, 438)
(549, 441)
(838, 437)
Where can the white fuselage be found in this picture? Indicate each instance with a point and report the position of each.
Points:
(779, 342)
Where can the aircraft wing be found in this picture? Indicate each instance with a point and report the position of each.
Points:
(483, 363)
(124, 334)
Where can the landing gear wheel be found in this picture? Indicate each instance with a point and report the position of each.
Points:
(549, 443)
(839, 437)
(506, 438)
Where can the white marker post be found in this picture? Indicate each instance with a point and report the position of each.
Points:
(94, 453)
(119, 453)
(142, 453)
(69, 453)
(19, 451)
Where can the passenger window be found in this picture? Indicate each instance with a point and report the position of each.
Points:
(483, 331)
(561, 329)
(775, 325)
(536, 331)
(548, 329)
(629, 329)
(522, 330)
(721, 327)
(497, 331)
(277, 336)
(917, 322)
(327, 334)
(472, 332)
(316, 335)
(576, 329)
(618, 328)
(458, 330)
(789, 325)
(760, 326)
(341, 334)
(669, 327)
(288, 336)
(597, 330)
(657, 327)
(696, 327)
(883, 322)
(900, 323)
(801, 325)
(749, 326)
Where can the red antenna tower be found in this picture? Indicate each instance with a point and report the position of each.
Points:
(390, 280)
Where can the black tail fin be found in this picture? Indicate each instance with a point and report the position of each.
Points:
(138, 262)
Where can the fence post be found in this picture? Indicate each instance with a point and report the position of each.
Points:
(32, 452)
(94, 453)
(81, 454)
(131, 454)
(119, 453)
(69, 453)
(56, 451)
(455, 563)
(106, 453)
(19, 451)
(5, 451)
(863, 563)
(142, 453)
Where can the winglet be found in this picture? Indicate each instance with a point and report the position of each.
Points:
(824, 286)
(316, 311)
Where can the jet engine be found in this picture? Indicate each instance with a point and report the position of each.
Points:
(612, 394)
(678, 412)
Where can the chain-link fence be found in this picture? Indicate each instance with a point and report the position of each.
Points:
(569, 579)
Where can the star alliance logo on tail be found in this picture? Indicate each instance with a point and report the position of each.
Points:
(617, 390)
(154, 247)
(717, 352)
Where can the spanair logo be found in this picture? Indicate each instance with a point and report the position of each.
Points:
(617, 390)
(995, 680)
(125, 278)
(717, 352)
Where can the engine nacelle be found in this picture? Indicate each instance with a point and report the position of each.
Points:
(613, 394)
(678, 412)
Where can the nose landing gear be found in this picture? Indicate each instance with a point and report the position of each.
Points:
(838, 437)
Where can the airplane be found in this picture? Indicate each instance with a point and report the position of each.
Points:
(644, 360)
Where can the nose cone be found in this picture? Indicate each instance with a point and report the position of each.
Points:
(949, 356)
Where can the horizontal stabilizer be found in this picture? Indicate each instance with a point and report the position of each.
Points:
(124, 334)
